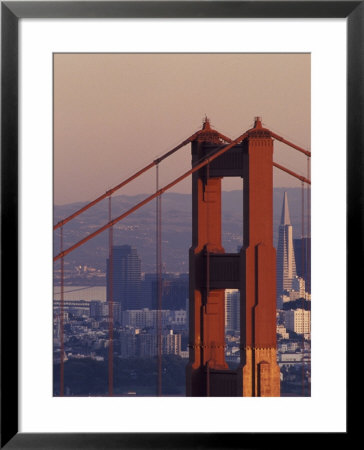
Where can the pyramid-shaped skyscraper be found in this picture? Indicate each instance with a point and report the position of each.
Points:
(286, 264)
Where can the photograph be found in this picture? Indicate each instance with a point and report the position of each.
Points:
(182, 224)
(160, 240)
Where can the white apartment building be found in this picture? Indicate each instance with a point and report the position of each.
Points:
(171, 343)
(298, 321)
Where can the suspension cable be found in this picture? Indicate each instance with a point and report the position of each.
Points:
(125, 182)
(290, 144)
(198, 166)
(151, 197)
(157, 161)
(290, 172)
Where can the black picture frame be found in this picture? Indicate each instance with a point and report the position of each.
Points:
(11, 12)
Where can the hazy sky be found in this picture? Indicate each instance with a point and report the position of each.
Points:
(115, 113)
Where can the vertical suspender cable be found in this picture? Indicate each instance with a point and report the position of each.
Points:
(302, 275)
(308, 255)
(61, 323)
(159, 283)
(111, 309)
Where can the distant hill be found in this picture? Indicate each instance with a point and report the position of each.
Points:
(139, 229)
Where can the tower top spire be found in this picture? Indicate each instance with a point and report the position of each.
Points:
(258, 122)
(208, 134)
(285, 219)
(206, 124)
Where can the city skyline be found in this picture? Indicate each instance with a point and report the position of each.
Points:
(136, 340)
(135, 327)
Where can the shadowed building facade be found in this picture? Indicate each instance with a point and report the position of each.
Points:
(232, 310)
(302, 251)
(126, 277)
(252, 270)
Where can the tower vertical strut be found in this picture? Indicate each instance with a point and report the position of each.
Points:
(207, 363)
(208, 373)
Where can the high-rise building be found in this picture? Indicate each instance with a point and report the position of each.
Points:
(126, 277)
(302, 251)
(143, 344)
(232, 310)
(286, 264)
(128, 343)
(171, 343)
(100, 310)
(174, 291)
(145, 318)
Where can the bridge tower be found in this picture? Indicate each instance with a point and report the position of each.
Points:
(253, 270)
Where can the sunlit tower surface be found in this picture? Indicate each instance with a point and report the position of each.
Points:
(253, 270)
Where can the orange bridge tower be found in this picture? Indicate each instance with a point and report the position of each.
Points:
(253, 270)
